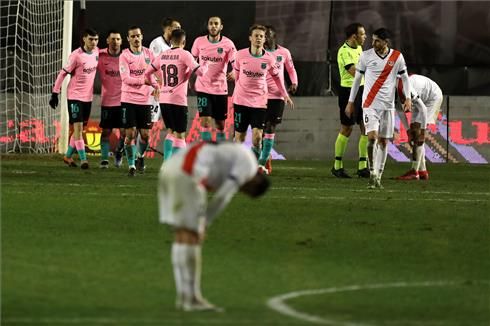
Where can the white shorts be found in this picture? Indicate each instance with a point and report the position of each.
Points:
(419, 113)
(155, 110)
(433, 108)
(181, 199)
(381, 121)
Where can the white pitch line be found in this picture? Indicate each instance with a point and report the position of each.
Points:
(278, 304)
(469, 193)
(379, 199)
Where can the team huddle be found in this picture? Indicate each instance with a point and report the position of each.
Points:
(141, 84)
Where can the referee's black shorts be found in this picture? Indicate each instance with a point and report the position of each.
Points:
(344, 93)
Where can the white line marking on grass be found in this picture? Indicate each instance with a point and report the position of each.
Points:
(278, 304)
(378, 198)
(469, 193)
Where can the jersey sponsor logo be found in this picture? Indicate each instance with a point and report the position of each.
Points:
(137, 72)
(253, 74)
(263, 65)
(211, 59)
(89, 70)
(220, 50)
(112, 73)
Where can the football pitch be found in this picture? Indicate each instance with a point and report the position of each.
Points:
(85, 248)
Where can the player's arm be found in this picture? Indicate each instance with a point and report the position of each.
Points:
(349, 109)
(274, 72)
(230, 75)
(407, 105)
(293, 75)
(66, 70)
(221, 198)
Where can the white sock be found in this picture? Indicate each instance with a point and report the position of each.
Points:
(380, 159)
(197, 272)
(184, 263)
(422, 166)
(420, 156)
(372, 167)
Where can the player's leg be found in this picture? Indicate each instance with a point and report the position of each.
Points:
(117, 123)
(273, 117)
(169, 138)
(433, 109)
(220, 114)
(386, 130)
(346, 124)
(205, 119)
(257, 123)
(105, 124)
(371, 123)
(179, 120)
(241, 121)
(67, 158)
(79, 115)
(362, 165)
(144, 124)
(129, 121)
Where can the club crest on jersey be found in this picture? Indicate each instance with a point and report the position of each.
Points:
(220, 50)
(279, 58)
(391, 63)
(263, 65)
(147, 60)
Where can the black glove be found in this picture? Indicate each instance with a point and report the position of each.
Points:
(53, 102)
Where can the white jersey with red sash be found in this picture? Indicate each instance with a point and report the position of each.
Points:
(380, 78)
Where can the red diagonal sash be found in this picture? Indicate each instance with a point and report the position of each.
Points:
(381, 79)
(190, 158)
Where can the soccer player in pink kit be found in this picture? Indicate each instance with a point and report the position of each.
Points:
(252, 65)
(135, 97)
(176, 66)
(380, 66)
(110, 111)
(275, 101)
(82, 66)
(212, 89)
(184, 183)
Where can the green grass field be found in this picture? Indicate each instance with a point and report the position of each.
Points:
(85, 248)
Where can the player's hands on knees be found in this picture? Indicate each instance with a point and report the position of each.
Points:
(349, 109)
(289, 102)
(53, 102)
(407, 105)
(293, 88)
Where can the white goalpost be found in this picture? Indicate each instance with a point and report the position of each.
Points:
(35, 42)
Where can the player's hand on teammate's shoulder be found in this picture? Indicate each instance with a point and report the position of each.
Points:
(53, 102)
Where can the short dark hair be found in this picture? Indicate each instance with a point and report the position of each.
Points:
(113, 31)
(256, 26)
(352, 29)
(382, 33)
(220, 19)
(135, 27)
(262, 183)
(168, 21)
(177, 35)
(271, 28)
(89, 31)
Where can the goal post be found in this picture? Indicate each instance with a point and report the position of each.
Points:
(35, 34)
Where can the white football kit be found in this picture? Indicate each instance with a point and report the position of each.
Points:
(429, 93)
(378, 98)
(157, 46)
(188, 175)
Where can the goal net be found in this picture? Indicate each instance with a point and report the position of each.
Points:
(31, 55)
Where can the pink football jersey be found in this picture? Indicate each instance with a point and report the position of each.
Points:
(110, 78)
(132, 67)
(283, 60)
(82, 66)
(175, 67)
(216, 55)
(251, 78)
